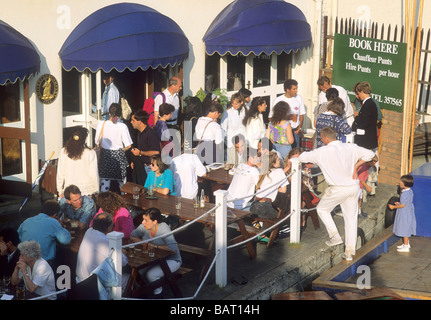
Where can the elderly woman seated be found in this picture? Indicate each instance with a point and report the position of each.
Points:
(36, 272)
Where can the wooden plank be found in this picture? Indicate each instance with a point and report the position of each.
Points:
(306, 295)
(195, 250)
(371, 245)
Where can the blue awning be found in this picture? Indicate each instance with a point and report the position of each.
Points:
(124, 35)
(258, 26)
(18, 58)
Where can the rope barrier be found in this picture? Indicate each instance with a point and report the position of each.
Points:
(173, 231)
(218, 252)
(264, 231)
(262, 190)
(49, 295)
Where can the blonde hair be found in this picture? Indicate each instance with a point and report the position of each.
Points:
(272, 159)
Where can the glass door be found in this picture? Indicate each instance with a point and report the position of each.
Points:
(15, 132)
(263, 75)
(82, 93)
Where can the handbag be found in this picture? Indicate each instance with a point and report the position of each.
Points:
(98, 147)
(195, 149)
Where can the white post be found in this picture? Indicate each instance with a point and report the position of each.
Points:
(221, 238)
(295, 201)
(115, 244)
(99, 93)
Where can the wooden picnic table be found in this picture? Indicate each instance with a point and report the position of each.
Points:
(220, 176)
(139, 258)
(166, 205)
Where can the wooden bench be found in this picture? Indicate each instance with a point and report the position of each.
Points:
(148, 288)
(194, 250)
(206, 254)
(266, 224)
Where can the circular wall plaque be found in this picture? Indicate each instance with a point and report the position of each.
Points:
(46, 88)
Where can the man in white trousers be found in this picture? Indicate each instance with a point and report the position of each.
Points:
(339, 163)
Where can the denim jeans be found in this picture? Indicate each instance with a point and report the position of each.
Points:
(283, 149)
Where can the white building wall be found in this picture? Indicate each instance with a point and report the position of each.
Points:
(47, 24)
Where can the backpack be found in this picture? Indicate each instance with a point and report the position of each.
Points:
(149, 106)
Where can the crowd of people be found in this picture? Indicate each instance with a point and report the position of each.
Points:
(257, 153)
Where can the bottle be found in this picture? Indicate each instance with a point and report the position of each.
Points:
(202, 199)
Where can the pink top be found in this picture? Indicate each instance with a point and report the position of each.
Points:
(123, 222)
(363, 173)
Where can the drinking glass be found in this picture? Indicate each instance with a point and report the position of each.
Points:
(20, 292)
(150, 190)
(136, 191)
(196, 203)
(178, 203)
(131, 251)
(151, 251)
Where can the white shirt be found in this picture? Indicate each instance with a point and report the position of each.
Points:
(243, 184)
(82, 172)
(94, 249)
(115, 136)
(337, 161)
(342, 93)
(276, 179)
(112, 96)
(231, 123)
(43, 277)
(187, 168)
(255, 130)
(172, 99)
(213, 131)
(296, 105)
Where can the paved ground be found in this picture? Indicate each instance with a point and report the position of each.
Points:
(284, 267)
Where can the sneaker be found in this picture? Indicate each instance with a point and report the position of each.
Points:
(362, 214)
(347, 256)
(404, 249)
(334, 241)
(403, 245)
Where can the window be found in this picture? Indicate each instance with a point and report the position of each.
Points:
(71, 92)
(10, 110)
(235, 72)
(11, 155)
(284, 67)
(212, 72)
(261, 71)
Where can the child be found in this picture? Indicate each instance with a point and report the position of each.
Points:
(405, 220)
(363, 176)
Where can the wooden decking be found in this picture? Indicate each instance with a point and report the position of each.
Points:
(406, 274)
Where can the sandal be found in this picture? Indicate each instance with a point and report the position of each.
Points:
(264, 239)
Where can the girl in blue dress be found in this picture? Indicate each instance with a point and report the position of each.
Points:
(405, 220)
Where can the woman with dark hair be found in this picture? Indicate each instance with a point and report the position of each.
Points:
(114, 138)
(253, 122)
(165, 113)
(279, 129)
(153, 226)
(112, 203)
(333, 118)
(77, 165)
(160, 178)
